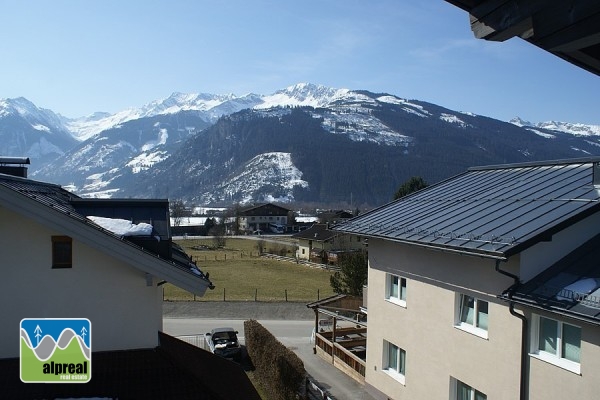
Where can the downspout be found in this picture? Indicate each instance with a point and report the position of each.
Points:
(524, 329)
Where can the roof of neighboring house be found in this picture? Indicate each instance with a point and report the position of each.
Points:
(334, 215)
(493, 211)
(256, 209)
(318, 232)
(67, 213)
(173, 370)
(571, 286)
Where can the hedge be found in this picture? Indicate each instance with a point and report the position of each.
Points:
(279, 370)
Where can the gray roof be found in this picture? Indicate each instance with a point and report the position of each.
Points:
(493, 211)
(317, 232)
(64, 211)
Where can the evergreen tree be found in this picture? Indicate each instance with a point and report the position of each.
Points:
(353, 275)
(412, 185)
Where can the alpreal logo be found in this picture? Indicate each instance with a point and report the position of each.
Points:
(56, 350)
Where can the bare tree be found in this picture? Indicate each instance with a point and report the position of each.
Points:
(218, 234)
(178, 211)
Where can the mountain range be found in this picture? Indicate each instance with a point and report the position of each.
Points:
(305, 143)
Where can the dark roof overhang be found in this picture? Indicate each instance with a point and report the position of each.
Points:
(567, 29)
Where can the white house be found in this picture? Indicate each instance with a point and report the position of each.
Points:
(105, 260)
(61, 264)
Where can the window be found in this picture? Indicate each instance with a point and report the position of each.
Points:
(466, 392)
(395, 290)
(62, 249)
(394, 361)
(557, 342)
(472, 315)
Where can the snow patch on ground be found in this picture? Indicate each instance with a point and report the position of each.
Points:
(163, 135)
(40, 127)
(453, 119)
(542, 134)
(145, 161)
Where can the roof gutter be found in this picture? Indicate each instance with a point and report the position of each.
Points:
(524, 329)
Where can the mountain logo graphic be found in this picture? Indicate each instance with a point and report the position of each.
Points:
(56, 350)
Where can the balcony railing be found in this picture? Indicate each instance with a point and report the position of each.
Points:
(347, 351)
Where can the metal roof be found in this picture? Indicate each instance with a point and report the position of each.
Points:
(53, 198)
(317, 232)
(570, 287)
(492, 211)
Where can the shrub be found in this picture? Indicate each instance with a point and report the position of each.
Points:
(278, 369)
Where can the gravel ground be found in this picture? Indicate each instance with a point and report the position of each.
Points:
(237, 310)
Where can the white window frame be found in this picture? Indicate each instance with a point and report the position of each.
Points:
(552, 358)
(400, 297)
(398, 373)
(473, 327)
(454, 390)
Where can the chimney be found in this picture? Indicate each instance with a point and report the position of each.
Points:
(14, 166)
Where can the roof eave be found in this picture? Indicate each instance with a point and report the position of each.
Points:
(550, 309)
(440, 247)
(90, 235)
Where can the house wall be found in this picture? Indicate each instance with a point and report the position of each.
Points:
(539, 257)
(436, 350)
(340, 242)
(548, 381)
(303, 252)
(252, 223)
(124, 312)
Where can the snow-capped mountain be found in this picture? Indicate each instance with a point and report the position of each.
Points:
(564, 127)
(267, 177)
(305, 142)
(209, 107)
(26, 130)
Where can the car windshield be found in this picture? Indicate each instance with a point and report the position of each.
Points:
(223, 337)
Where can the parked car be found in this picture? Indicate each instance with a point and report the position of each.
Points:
(224, 342)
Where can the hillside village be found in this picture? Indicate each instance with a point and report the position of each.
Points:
(484, 284)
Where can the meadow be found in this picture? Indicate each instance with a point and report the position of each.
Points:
(240, 274)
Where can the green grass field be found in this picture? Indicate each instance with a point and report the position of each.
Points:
(240, 275)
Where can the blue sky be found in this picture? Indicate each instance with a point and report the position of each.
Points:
(78, 57)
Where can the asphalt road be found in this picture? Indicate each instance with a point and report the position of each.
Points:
(290, 323)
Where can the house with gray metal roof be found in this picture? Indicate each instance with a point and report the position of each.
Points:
(322, 245)
(487, 285)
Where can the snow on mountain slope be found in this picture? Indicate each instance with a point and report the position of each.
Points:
(274, 170)
(26, 130)
(209, 106)
(575, 129)
(303, 94)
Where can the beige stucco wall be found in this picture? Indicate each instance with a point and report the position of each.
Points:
(548, 381)
(425, 329)
(125, 313)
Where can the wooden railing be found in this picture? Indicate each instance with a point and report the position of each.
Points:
(347, 352)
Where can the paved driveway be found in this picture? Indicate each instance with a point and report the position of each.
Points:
(291, 323)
